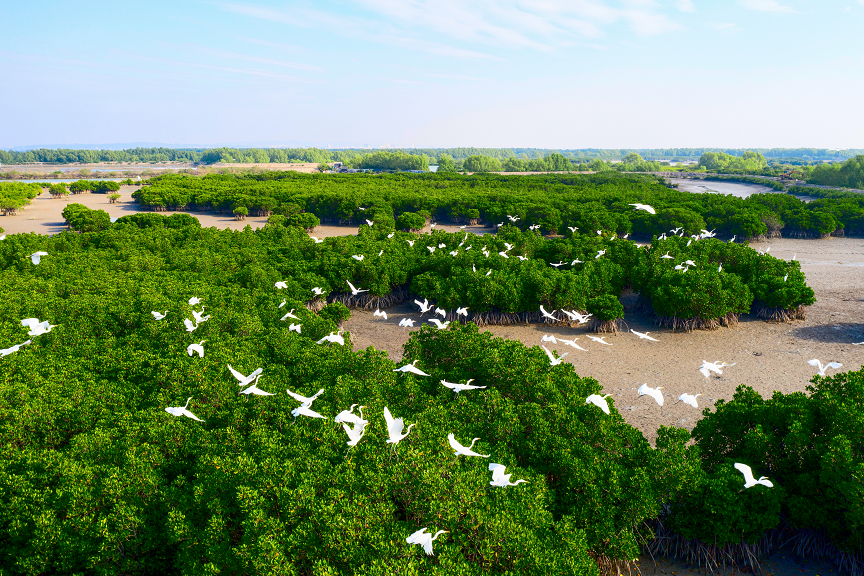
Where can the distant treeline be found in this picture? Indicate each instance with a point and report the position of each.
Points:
(349, 155)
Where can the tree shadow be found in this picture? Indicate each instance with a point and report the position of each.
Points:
(842, 333)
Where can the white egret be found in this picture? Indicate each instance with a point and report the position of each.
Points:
(442, 245)
(707, 367)
(464, 450)
(822, 368)
(317, 240)
(485, 253)
(369, 222)
(159, 316)
(462, 311)
(645, 207)
(424, 306)
(499, 479)
(412, 367)
(439, 324)
(689, 399)
(395, 426)
(503, 255)
(521, 258)
(355, 291)
(655, 393)
(359, 257)
(733, 238)
(571, 343)
(720, 267)
(289, 315)
(332, 337)
(244, 380)
(682, 268)
(182, 411)
(676, 230)
(513, 218)
(454, 253)
(488, 272)
(441, 312)
(304, 410)
(749, 480)
(431, 249)
(193, 348)
(37, 328)
(690, 263)
(424, 539)
(11, 349)
(557, 264)
(599, 401)
(295, 327)
(317, 291)
(194, 300)
(688, 242)
(643, 335)
(666, 255)
(599, 253)
(534, 227)
(432, 225)
(599, 339)
(573, 228)
(552, 360)
(599, 232)
(380, 252)
(280, 285)
(199, 316)
(308, 400)
(378, 312)
(36, 257)
(190, 326)
(355, 432)
(255, 390)
(549, 338)
(410, 243)
(349, 416)
(457, 388)
(473, 268)
(546, 314)
(390, 235)
(406, 323)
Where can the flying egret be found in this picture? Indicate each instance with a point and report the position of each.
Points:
(707, 367)
(557, 264)
(442, 245)
(194, 300)
(822, 368)
(412, 367)
(682, 268)
(552, 360)
(441, 312)
(317, 291)
(454, 253)
(464, 450)
(359, 257)
(485, 253)
(573, 228)
(643, 335)
(244, 380)
(349, 416)
(193, 348)
(37, 328)
(255, 390)
(199, 316)
(655, 393)
(513, 218)
(549, 338)
(332, 337)
(369, 222)
(308, 400)
(599, 401)
(546, 314)
(424, 539)
(289, 315)
(599, 253)
(462, 311)
(182, 411)
(666, 255)
(690, 263)
(571, 343)
(36, 257)
(355, 432)
(749, 480)
(190, 326)
(355, 291)
(439, 324)
(424, 306)
(281, 285)
(457, 388)
(599, 339)
(378, 312)
(689, 399)
(521, 258)
(295, 327)
(406, 323)
(395, 427)
(11, 349)
(432, 225)
(304, 410)
(317, 240)
(503, 254)
(410, 242)
(645, 207)
(390, 235)
(431, 249)
(500, 479)
(159, 316)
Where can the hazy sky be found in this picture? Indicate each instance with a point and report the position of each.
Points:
(435, 73)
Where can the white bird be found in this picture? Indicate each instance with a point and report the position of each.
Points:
(255, 390)
(549, 338)
(571, 343)
(440, 312)
(508, 246)
(199, 316)
(690, 263)
(432, 225)
(355, 432)
(599, 253)
(182, 411)
(666, 255)
(720, 267)
(822, 368)
(194, 300)
(431, 249)
(485, 253)
(190, 326)
(193, 348)
(643, 336)
(464, 450)
(281, 285)
(599, 401)
(395, 426)
(406, 323)
(369, 222)
(410, 242)
(795, 255)
(733, 238)
(488, 272)
(454, 253)
(513, 218)
(317, 240)
(707, 367)
(499, 479)
(682, 268)
(599, 339)
(289, 315)
(556, 265)
(244, 380)
(462, 311)
(159, 316)
(283, 304)
(304, 410)
(307, 400)
(349, 416)
(785, 277)
(576, 261)
(534, 227)
(439, 324)
(473, 268)
(573, 228)
(689, 242)
(381, 252)
(355, 291)
(11, 349)
(358, 257)
(460, 387)
(547, 314)
(749, 480)
(689, 399)
(503, 255)
(521, 258)
(380, 313)
(552, 360)
(332, 337)
(442, 245)
(412, 367)
(317, 291)
(653, 392)
(645, 207)
(424, 539)
(424, 306)
(36, 257)
(37, 328)
(295, 327)
(599, 232)
(390, 235)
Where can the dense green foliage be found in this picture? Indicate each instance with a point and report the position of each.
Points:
(849, 174)
(479, 163)
(14, 195)
(97, 186)
(383, 160)
(82, 219)
(748, 163)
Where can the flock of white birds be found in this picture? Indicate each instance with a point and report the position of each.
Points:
(355, 425)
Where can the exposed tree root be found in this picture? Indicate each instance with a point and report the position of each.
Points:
(690, 324)
(496, 317)
(605, 326)
(398, 295)
(803, 234)
(780, 314)
(815, 544)
(315, 305)
(612, 566)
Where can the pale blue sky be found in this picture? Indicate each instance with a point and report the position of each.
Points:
(435, 73)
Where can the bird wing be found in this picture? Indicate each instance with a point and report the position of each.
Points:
(705, 372)
(389, 419)
(191, 415)
(353, 289)
(416, 537)
(833, 365)
(29, 322)
(427, 545)
(746, 471)
(454, 444)
(497, 471)
(813, 362)
(549, 354)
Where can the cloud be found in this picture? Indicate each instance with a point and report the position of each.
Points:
(685, 5)
(765, 6)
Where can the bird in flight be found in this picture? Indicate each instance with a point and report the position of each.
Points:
(439, 324)
(499, 479)
(395, 427)
(643, 336)
(689, 399)
(749, 480)
(359, 257)
(645, 207)
(406, 323)
(37, 328)
(380, 313)
(318, 291)
(464, 450)
(159, 316)
(36, 257)
(707, 367)
(461, 387)
(255, 390)
(653, 392)
(547, 314)
(412, 367)
(599, 339)
(295, 327)
(822, 367)
(552, 360)
(193, 348)
(289, 315)
(182, 411)
(281, 285)
(424, 539)
(244, 380)
(332, 337)
(424, 306)
(571, 343)
(11, 349)
(599, 401)
(349, 416)
(355, 291)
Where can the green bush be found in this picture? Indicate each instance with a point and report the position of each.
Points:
(410, 221)
(605, 307)
(335, 312)
(304, 220)
(82, 219)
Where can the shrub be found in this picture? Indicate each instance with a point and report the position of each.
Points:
(305, 220)
(410, 221)
(335, 312)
